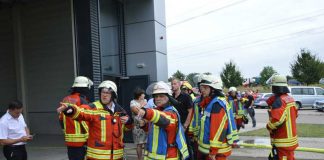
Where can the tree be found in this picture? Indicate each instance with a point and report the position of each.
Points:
(190, 77)
(230, 75)
(178, 74)
(265, 74)
(207, 73)
(307, 68)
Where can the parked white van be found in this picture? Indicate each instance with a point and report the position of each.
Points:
(305, 96)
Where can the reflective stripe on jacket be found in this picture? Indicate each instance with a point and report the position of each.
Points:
(75, 132)
(282, 121)
(215, 138)
(105, 140)
(234, 138)
(166, 135)
(194, 123)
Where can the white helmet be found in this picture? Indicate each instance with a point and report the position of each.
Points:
(82, 81)
(232, 89)
(158, 87)
(277, 80)
(108, 84)
(197, 78)
(211, 81)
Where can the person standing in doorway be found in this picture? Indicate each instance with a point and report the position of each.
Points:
(14, 132)
(139, 135)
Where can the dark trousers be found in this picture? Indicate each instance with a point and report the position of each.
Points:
(12, 152)
(76, 153)
(190, 147)
(252, 115)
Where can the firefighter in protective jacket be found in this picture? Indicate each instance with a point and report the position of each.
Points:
(76, 132)
(106, 124)
(282, 119)
(215, 122)
(237, 107)
(166, 137)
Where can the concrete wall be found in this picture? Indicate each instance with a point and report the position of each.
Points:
(36, 47)
(48, 60)
(7, 60)
(146, 38)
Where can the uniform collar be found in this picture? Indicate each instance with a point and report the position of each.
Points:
(9, 116)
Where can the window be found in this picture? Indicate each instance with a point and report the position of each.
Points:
(110, 37)
(308, 91)
(320, 91)
(296, 91)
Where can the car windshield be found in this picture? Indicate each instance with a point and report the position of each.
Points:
(267, 95)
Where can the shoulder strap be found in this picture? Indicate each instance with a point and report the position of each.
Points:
(210, 105)
(180, 136)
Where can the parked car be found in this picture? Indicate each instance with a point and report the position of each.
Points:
(260, 101)
(305, 96)
(319, 105)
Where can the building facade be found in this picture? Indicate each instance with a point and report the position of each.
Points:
(44, 44)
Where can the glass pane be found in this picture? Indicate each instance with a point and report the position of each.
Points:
(109, 37)
(268, 95)
(311, 91)
(308, 91)
(296, 91)
(110, 65)
(319, 91)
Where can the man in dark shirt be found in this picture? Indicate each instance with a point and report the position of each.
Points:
(184, 106)
(249, 106)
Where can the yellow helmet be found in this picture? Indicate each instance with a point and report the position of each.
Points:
(187, 85)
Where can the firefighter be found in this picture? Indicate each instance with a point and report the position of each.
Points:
(282, 119)
(215, 126)
(237, 106)
(76, 132)
(187, 88)
(195, 121)
(166, 138)
(107, 122)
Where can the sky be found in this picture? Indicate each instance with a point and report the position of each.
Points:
(203, 35)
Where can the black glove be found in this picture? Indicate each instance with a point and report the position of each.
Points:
(69, 110)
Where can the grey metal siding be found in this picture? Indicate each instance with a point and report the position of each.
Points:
(48, 57)
(7, 60)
